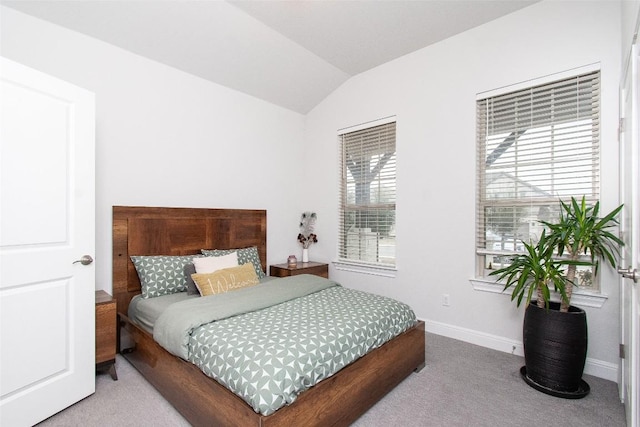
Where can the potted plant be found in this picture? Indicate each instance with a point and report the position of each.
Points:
(555, 333)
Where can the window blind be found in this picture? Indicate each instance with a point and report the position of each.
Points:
(534, 147)
(368, 195)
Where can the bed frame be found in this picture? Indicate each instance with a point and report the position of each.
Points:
(338, 400)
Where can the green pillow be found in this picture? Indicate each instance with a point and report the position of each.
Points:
(161, 274)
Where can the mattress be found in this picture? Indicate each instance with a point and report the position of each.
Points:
(145, 311)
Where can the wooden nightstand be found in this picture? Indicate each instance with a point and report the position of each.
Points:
(106, 333)
(283, 270)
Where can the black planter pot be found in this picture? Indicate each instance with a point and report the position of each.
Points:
(555, 350)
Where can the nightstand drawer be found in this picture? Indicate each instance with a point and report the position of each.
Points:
(283, 270)
(106, 332)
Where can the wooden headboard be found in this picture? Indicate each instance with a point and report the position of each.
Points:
(178, 231)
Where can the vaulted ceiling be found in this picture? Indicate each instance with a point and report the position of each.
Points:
(290, 53)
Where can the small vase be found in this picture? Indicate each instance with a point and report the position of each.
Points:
(305, 255)
(292, 261)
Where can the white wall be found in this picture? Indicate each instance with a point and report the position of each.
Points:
(432, 92)
(167, 138)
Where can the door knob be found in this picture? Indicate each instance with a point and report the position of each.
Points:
(629, 273)
(85, 260)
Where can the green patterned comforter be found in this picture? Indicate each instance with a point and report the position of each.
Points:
(270, 355)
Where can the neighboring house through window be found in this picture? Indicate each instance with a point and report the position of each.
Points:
(536, 145)
(368, 195)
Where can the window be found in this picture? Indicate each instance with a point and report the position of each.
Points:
(535, 146)
(368, 195)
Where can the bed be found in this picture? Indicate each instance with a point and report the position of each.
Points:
(337, 400)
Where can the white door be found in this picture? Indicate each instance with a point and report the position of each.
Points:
(630, 232)
(47, 216)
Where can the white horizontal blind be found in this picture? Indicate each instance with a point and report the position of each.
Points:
(368, 195)
(535, 146)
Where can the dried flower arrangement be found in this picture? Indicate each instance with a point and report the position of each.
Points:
(307, 223)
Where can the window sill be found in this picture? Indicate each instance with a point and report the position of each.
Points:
(579, 298)
(365, 269)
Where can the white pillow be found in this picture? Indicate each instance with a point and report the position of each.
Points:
(210, 264)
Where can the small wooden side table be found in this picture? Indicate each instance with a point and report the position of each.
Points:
(283, 270)
(106, 333)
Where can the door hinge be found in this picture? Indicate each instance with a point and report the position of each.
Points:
(622, 355)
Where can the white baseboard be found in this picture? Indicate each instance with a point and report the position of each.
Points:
(595, 367)
(601, 369)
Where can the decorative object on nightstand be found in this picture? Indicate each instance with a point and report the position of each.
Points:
(284, 270)
(292, 261)
(306, 236)
(106, 333)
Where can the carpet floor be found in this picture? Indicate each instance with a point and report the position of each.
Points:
(461, 385)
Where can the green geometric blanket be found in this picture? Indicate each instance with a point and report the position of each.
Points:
(269, 356)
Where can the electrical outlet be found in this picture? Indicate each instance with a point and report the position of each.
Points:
(445, 300)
